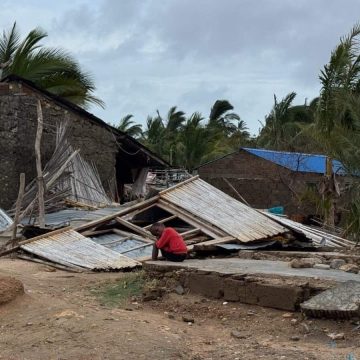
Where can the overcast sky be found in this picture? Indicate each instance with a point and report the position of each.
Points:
(153, 54)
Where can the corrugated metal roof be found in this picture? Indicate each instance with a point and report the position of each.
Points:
(70, 248)
(117, 243)
(318, 236)
(298, 161)
(221, 210)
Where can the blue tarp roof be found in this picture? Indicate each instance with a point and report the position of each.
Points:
(298, 161)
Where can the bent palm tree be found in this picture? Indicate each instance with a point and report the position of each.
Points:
(51, 69)
(221, 119)
(128, 126)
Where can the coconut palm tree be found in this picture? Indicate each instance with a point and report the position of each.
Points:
(51, 69)
(221, 119)
(128, 126)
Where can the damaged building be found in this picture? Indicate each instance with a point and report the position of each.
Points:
(267, 178)
(118, 157)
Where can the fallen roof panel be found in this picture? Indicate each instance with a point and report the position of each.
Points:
(70, 248)
(318, 236)
(213, 206)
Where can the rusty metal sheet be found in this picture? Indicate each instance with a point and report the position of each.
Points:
(70, 248)
(213, 206)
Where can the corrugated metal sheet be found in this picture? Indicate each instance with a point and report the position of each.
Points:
(5, 220)
(217, 208)
(70, 248)
(117, 243)
(318, 236)
(298, 161)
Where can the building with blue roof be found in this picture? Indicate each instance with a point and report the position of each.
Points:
(268, 178)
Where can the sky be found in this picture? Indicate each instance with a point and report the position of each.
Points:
(148, 55)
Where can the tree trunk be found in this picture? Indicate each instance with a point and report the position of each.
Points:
(18, 207)
(40, 178)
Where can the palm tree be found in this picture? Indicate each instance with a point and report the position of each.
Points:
(51, 69)
(221, 119)
(128, 126)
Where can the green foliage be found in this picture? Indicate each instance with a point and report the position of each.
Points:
(128, 126)
(120, 292)
(188, 141)
(51, 69)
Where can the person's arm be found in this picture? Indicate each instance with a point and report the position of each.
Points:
(163, 240)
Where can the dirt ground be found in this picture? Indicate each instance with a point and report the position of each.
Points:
(60, 317)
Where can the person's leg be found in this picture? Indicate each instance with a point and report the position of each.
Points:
(155, 252)
(173, 257)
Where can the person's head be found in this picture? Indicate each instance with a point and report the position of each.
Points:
(157, 229)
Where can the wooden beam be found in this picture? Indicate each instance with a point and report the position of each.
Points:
(135, 228)
(192, 219)
(121, 212)
(162, 221)
(139, 211)
(131, 235)
(40, 177)
(202, 245)
(190, 232)
(178, 185)
(18, 208)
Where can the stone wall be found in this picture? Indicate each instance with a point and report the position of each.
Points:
(18, 123)
(262, 183)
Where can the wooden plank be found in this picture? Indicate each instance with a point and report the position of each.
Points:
(131, 235)
(122, 212)
(189, 233)
(139, 211)
(202, 245)
(178, 185)
(135, 228)
(90, 233)
(162, 221)
(192, 219)
(40, 177)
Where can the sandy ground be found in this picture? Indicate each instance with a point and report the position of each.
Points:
(59, 317)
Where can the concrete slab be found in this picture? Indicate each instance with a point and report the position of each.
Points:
(233, 266)
(342, 301)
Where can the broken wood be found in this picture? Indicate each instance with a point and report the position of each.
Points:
(218, 241)
(191, 220)
(131, 235)
(235, 191)
(40, 178)
(189, 233)
(121, 212)
(162, 221)
(135, 228)
(18, 208)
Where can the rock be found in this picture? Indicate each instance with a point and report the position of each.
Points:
(304, 262)
(238, 335)
(188, 319)
(179, 290)
(294, 321)
(295, 338)
(171, 316)
(251, 313)
(287, 315)
(322, 266)
(10, 288)
(350, 268)
(305, 328)
(338, 336)
(336, 263)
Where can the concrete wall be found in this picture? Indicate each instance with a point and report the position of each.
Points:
(18, 123)
(262, 183)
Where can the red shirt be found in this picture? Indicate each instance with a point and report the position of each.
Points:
(172, 242)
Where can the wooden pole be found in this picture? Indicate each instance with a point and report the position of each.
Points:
(40, 178)
(18, 207)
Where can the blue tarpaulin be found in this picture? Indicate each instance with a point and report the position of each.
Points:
(298, 161)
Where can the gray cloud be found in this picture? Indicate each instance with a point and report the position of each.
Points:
(150, 54)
